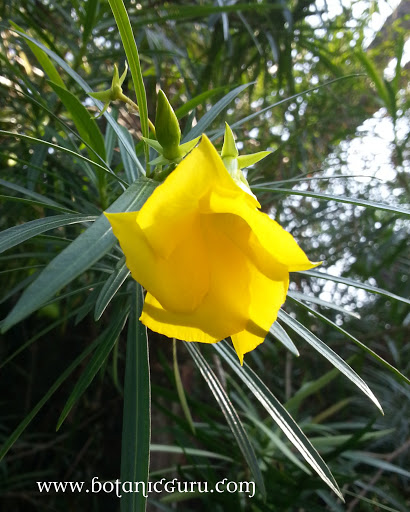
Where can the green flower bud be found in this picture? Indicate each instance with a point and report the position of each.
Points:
(167, 128)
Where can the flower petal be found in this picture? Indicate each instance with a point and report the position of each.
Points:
(213, 264)
(179, 282)
(240, 233)
(172, 206)
(267, 296)
(269, 241)
(225, 308)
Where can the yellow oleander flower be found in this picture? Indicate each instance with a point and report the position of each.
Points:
(213, 265)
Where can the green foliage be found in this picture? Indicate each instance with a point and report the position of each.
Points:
(67, 294)
(136, 430)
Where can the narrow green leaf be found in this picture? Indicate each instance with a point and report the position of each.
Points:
(153, 144)
(104, 347)
(180, 12)
(230, 414)
(91, 8)
(315, 300)
(131, 51)
(86, 88)
(339, 199)
(280, 334)
(188, 146)
(80, 255)
(36, 203)
(19, 286)
(355, 340)
(29, 193)
(42, 58)
(259, 113)
(109, 141)
(399, 44)
(128, 161)
(309, 388)
(329, 354)
(198, 100)
(32, 414)
(85, 124)
(375, 503)
(185, 467)
(63, 149)
(277, 441)
(303, 179)
(385, 495)
(39, 334)
(86, 307)
(376, 78)
(188, 451)
(332, 410)
(42, 151)
(180, 388)
(18, 234)
(110, 288)
(280, 415)
(365, 458)
(326, 441)
(136, 430)
(355, 284)
(37, 161)
(207, 119)
(251, 33)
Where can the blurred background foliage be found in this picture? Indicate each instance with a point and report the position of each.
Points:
(349, 138)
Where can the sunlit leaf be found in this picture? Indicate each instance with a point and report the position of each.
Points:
(280, 415)
(136, 430)
(80, 255)
(329, 354)
(230, 414)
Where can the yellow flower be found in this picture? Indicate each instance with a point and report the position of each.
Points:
(213, 265)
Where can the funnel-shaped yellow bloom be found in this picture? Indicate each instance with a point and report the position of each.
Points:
(213, 264)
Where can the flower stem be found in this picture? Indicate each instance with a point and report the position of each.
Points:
(129, 102)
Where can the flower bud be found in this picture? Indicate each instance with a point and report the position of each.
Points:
(167, 128)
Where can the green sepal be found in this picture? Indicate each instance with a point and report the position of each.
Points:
(104, 96)
(167, 128)
(154, 144)
(231, 165)
(177, 155)
(124, 74)
(247, 160)
(229, 149)
(116, 89)
(160, 160)
(113, 93)
(188, 146)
